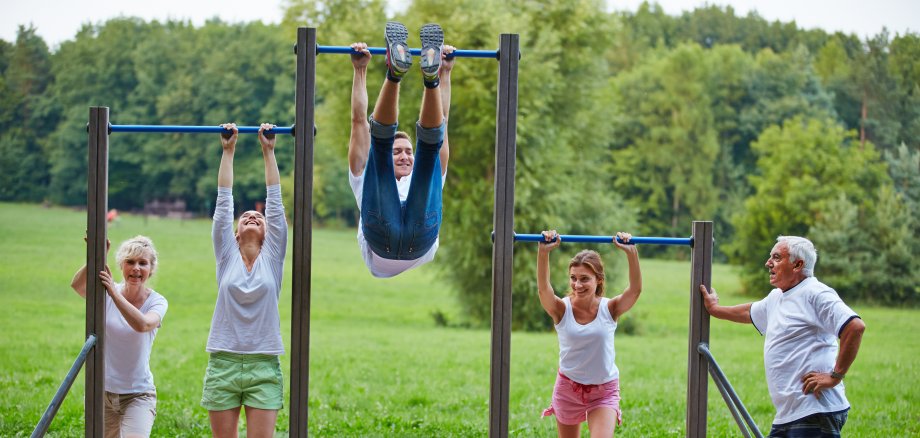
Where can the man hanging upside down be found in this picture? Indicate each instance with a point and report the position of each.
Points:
(398, 192)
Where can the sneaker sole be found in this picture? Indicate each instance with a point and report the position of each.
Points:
(432, 38)
(396, 35)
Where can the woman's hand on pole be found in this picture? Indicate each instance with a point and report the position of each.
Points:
(551, 241)
(229, 142)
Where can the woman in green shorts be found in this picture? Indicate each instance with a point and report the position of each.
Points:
(245, 337)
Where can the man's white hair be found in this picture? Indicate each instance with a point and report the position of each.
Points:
(801, 248)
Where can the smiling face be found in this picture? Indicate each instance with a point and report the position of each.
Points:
(136, 270)
(251, 223)
(784, 273)
(582, 281)
(403, 160)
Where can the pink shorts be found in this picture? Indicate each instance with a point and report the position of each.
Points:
(572, 401)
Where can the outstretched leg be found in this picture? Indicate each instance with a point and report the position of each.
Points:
(381, 210)
(423, 204)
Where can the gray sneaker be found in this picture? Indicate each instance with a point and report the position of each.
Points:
(398, 57)
(432, 39)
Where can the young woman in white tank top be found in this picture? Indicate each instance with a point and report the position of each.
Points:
(587, 385)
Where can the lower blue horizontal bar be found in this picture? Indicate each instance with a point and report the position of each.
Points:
(608, 239)
(346, 50)
(195, 129)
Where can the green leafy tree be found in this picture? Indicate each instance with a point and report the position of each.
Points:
(904, 168)
(339, 23)
(24, 117)
(865, 250)
(664, 144)
(905, 67)
(803, 166)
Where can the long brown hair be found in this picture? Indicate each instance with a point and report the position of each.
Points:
(591, 260)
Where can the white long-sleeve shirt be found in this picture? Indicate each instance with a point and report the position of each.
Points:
(246, 318)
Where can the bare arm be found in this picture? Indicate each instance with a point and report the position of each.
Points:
(740, 313)
(359, 143)
(626, 300)
(850, 340)
(78, 283)
(140, 322)
(225, 172)
(444, 74)
(552, 304)
(272, 176)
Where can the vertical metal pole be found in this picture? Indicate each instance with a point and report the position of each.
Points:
(303, 228)
(697, 366)
(96, 207)
(503, 224)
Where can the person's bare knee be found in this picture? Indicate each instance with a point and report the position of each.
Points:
(260, 423)
(224, 424)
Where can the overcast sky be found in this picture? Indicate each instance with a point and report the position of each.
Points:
(59, 20)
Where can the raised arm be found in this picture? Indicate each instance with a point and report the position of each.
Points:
(222, 227)
(272, 176)
(624, 301)
(552, 304)
(740, 313)
(225, 173)
(444, 74)
(360, 142)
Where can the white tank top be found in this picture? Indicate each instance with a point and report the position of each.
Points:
(586, 353)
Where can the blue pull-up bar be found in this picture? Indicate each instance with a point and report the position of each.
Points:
(346, 50)
(607, 239)
(197, 129)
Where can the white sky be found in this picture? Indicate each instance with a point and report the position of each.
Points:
(59, 20)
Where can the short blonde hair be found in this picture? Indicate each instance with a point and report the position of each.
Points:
(136, 247)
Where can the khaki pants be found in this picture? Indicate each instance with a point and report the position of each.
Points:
(129, 415)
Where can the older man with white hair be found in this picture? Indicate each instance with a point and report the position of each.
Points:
(801, 321)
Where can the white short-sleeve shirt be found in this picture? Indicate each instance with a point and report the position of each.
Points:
(801, 327)
(127, 351)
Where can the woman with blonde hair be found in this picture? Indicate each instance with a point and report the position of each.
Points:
(133, 314)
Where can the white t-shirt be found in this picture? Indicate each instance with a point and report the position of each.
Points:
(379, 266)
(246, 318)
(127, 351)
(586, 352)
(801, 327)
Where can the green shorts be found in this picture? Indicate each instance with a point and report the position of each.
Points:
(233, 380)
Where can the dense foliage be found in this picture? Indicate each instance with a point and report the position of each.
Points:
(634, 121)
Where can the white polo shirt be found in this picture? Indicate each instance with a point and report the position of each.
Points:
(801, 327)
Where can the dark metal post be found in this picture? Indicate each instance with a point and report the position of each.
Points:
(96, 207)
(503, 224)
(698, 367)
(303, 228)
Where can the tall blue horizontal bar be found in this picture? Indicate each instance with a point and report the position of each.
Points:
(195, 129)
(346, 50)
(607, 239)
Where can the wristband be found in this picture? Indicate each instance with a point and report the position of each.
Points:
(837, 375)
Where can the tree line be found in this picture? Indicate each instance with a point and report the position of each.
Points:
(628, 120)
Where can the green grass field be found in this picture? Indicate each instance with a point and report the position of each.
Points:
(379, 365)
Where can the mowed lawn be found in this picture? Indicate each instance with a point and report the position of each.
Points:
(379, 365)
